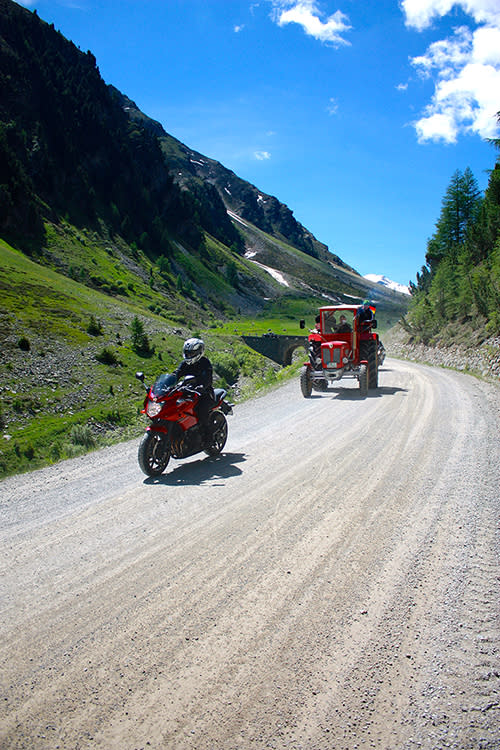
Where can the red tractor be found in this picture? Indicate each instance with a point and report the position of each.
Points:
(343, 345)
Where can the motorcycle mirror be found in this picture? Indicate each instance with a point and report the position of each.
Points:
(302, 323)
(140, 376)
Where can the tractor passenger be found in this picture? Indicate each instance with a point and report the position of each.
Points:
(364, 314)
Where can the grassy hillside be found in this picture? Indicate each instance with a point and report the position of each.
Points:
(68, 360)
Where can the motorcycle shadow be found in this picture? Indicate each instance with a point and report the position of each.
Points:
(201, 470)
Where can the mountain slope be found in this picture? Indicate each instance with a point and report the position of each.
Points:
(190, 169)
(76, 152)
(272, 236)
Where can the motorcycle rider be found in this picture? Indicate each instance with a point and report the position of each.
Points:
(197, 364)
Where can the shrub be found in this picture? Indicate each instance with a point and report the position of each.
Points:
(18, 405)
(82, 435)
(55, 452)
(24, 344)
(107, 357)
(226, 366)
(29, 452)
(94, 327)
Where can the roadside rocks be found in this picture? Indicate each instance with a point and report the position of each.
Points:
(483, 360)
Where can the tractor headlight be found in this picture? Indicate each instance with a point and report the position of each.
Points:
(153, 408)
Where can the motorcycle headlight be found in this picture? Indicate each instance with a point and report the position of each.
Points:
(153, 408)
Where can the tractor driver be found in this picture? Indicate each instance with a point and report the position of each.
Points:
(343, 326)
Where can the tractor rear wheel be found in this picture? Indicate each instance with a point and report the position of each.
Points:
(363, 381)
(368, 351)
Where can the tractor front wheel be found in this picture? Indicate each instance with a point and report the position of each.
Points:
(306, 381)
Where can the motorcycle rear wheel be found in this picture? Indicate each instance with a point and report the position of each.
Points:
(218, 427)
(153, 453)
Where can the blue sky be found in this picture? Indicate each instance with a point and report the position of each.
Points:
(355, 114)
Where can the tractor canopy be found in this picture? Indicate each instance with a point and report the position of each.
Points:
(338, 319)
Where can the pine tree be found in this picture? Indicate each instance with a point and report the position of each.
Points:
(140, 340)
(460, 208)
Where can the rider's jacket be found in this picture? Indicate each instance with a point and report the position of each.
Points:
(202, 371)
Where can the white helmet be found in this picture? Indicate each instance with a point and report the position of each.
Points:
(193, 350)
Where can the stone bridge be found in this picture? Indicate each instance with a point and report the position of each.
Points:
(276, 347)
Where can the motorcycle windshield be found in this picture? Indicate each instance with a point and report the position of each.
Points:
(163, 384)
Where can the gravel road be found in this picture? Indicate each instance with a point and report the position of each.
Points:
(331, 581)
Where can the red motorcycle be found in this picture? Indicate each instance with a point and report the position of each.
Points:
(175, 429)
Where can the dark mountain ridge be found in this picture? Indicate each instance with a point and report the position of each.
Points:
(69, 148)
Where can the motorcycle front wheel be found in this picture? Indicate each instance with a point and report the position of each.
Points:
(218, 428)
(154, 453)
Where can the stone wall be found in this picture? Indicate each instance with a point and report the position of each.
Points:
(483, 360)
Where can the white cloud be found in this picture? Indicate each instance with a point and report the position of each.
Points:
(447, 55)
(237, 29)
(332, 107)
(306, 14)
(465, 68)
(262, 155)
(421, 13)
(436, 127)
(486, 45)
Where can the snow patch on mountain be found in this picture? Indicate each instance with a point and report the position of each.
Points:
(277, 275)
(384, 281)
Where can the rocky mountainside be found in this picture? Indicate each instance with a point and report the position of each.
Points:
(190, 169)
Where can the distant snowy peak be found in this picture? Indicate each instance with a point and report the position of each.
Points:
(384, 281)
